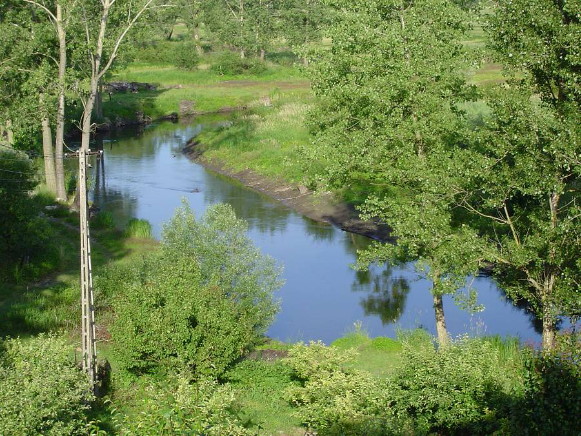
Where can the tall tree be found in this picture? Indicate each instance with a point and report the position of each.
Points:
(390, 88)
(523, 184)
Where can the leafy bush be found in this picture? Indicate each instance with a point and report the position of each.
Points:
(204, 407)
(453, 390)
(138, 228)
(185, 56)
(42, 391)
(199, 302)
(25, 249)
(552, 389)
(230, 64)
(334, 400)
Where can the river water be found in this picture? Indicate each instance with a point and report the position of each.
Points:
(143, 174)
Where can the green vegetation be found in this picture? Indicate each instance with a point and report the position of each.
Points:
(43, 391)
(465, 175)
(137, 228)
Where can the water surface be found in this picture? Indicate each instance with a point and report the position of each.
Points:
(144, 174)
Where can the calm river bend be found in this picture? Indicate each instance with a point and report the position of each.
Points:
(144, 174)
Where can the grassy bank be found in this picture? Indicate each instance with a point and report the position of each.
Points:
(206, 90)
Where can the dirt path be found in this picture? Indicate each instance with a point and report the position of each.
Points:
(319, 207)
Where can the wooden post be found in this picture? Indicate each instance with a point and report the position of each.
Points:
(87, 299)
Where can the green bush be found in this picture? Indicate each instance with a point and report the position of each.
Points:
(184, 408)
(334, 400)
(42, 391)
(453, 390)
(185, 56)
(197, 303)
(552, 388)
(25, 248)
(230, 64)
(138, 228)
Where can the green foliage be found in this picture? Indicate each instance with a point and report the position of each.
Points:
(334, 400)
(230, 64)
(185, 56)
(42, 391)
(138, 228)
(180, 54)
(181, 407)
(208, 282)
(25, 251)
(552, 388)
(104, 220)
(453, 390)
(540, 38)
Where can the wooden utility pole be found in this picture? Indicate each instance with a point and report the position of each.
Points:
(87, 299)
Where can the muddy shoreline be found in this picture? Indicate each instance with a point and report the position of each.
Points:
(316, 206)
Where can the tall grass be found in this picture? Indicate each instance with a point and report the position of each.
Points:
(138, 228)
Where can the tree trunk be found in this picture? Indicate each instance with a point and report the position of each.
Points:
(443, 338)
(262, 54)
(9, 133)
(549, 329)
(48, 154)
(197, 41)
(61, 193)
(98, 110)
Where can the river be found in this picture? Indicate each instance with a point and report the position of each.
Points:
(144, 174)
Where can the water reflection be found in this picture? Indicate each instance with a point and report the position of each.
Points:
(386, 295)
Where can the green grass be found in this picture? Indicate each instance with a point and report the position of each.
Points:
(268, 140)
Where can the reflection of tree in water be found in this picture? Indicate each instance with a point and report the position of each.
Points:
(387, 295)
(319, 231)
(121, 206)
(262, 215)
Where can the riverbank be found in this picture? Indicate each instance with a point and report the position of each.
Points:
(321, 207)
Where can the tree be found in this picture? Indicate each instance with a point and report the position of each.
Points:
(390, 88)
(208, 282)
(521, 187)
(521, 175)
(302, 22)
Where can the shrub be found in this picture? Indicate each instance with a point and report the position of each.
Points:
(42, 391)
(199, 302)
(185, 56)
(25, 249)
(552, 389)
(204, 407)
(453, 390)
(230, 64)
(334, 400)
(138, 228)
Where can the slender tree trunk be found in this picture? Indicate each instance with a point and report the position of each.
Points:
(9, 133)
(197, 40)
(443, 338)
(549, 327)
(262, 54)
(548, 315)
(60, 116)
(98, 110)
(48, 155)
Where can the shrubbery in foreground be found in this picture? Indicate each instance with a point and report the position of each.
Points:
(42, 390)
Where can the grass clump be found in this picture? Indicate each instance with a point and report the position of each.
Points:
(138, 228)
